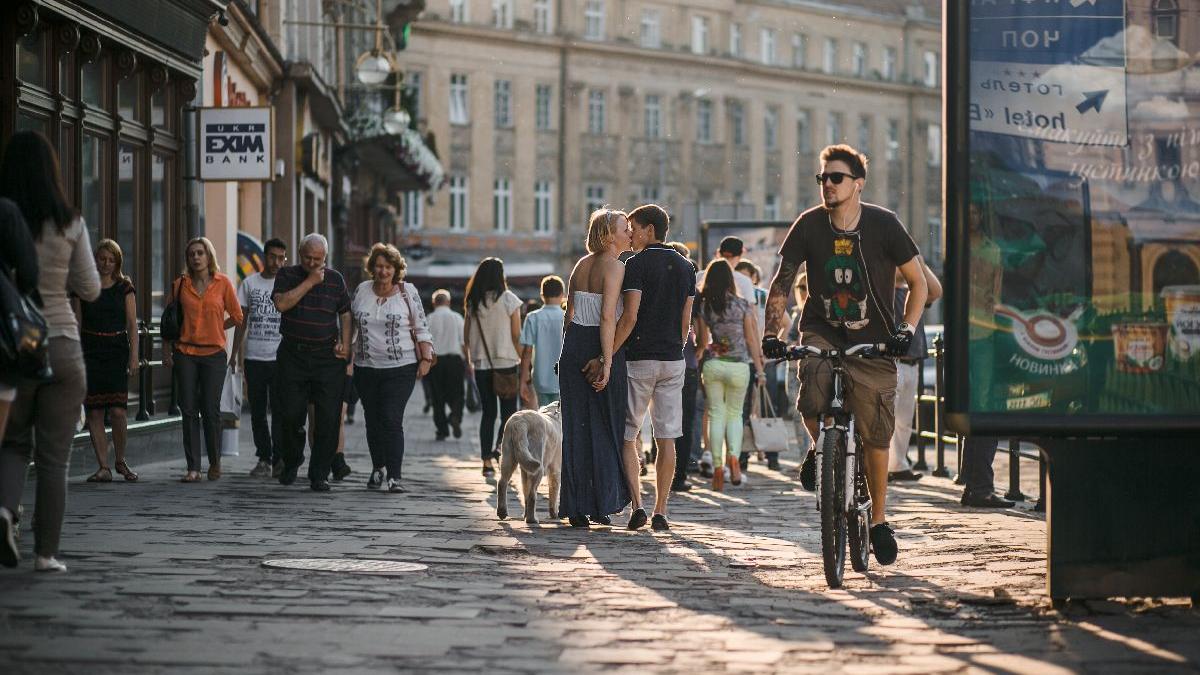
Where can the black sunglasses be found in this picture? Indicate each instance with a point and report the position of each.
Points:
(836, 177)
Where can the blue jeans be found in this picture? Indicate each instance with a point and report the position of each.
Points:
(384, 393)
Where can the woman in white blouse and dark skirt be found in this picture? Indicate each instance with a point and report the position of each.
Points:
(392, 349)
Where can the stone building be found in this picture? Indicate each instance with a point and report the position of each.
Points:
(543, 110)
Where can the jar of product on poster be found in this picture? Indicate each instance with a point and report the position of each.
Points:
(1183, 316)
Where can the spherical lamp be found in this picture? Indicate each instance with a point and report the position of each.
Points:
(372, 68)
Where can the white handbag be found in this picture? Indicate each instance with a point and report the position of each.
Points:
(770, 432)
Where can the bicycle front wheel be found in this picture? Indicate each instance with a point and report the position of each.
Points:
(833, 506)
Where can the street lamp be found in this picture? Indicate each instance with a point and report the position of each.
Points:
(373, 67)
(396, 120)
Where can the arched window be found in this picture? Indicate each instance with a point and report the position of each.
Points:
(1164, 20)
(1174, 269)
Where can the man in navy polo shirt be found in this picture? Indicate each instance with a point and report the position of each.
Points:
(311, 363)
(658, 291)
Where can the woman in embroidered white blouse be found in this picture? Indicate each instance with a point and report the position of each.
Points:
(393, 348)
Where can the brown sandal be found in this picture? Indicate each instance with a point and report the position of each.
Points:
(190, 477)
(214, 471)
(123, 469)
(102, 475)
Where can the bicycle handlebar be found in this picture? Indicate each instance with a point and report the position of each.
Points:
(867, 351)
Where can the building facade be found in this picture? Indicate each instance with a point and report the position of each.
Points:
(544, 110)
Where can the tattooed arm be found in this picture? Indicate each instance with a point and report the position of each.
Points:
(777, 298)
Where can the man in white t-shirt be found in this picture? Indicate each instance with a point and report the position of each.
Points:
(731, 251)
(254, 345)
(446, 383)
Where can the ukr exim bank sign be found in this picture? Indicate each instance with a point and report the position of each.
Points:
(236, 144)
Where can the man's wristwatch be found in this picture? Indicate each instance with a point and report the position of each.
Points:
(906, 327)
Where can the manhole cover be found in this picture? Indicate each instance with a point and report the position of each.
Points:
(346, 566)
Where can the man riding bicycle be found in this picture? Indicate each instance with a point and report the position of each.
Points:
(851, 252)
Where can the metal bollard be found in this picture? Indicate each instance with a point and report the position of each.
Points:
(1014, 472)
(1041, 500)
(939, 411)
(920, 464)
(145, 385)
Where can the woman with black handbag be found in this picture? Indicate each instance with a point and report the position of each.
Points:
(493, 332)
(29, 176)
(18, 263)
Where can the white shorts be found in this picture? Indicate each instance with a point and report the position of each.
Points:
(657, 385)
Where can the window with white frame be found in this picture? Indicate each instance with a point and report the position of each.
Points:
(933, 145)
(459, 11)
(799, 50)
(803, 134)
(864, 134)
(860, 59)
(596, 111)
(414, 210)
(502, 14)
(735, 40)
(829, 56)
(653, 116)
(543, 206)
(459, 112)
(502, 99)
(699, 35)
(412, 88)
(502, 205)
(766, 44)
(892, 152)
(889, 63)
(704, 121)
(1164, 17)
(651, 28)
(541, 105)
(771, 207)
(593, 20)
(593, 198)
(931, 69)
(542, 17)
(459, 219)
(771, 128)
(737, 123)
(833, 129)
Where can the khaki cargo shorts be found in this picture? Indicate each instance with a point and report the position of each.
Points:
(657, 385)
(870, 392)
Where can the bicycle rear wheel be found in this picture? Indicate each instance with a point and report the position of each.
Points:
(833, 506)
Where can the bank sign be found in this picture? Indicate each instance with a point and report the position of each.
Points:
(236, 144)
(1051, 69)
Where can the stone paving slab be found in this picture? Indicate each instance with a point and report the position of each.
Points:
(167, 578)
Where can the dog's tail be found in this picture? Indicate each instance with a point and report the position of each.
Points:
(516, 441)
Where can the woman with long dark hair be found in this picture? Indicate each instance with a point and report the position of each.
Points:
(727, 329)
(492, 332)
(29, 176)
(110, 348)
(210, 307)
(593, 412)
(392, 349)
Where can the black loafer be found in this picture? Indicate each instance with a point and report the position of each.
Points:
(659, 523)
(681, 486)
(905, 475)
(808, 472)
(601, 520)
(288, 476)
(883, 543)
(578, 521)
(320, 486)
(637, 520)
(986, 501)
(341, 472)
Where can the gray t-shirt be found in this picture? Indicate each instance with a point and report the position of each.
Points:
(728, 331)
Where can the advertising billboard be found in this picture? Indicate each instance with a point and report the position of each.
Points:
(1073, 211)
(236, 144)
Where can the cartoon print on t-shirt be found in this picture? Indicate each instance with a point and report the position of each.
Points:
(847, 304)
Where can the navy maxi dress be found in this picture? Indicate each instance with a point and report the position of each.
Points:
(593, 423)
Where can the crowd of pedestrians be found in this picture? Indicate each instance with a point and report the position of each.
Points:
(637, 334)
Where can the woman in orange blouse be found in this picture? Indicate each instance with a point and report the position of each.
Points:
(210, 306)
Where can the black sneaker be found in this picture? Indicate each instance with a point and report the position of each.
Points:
(637, 520)
(680, 486)
(395, 486)
(277, 469)
(456, 429)
(659, 523)
(986, 501)
(341, 471)
(883, 543)
(773, 462)
(288, 475)
(904, 476)
(578, 521)
(376, 480)
(600, 520)
(320, 486)
(744, 461)
(439, 437)
(808, 472)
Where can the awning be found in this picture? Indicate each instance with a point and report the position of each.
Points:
(403, 160)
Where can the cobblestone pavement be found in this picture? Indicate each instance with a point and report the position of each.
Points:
(166, 577)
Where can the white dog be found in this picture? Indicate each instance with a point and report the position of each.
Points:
(533, 440)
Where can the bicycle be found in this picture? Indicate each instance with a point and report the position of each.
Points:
(842, 496)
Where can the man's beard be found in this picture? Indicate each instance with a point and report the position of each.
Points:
(830, 203)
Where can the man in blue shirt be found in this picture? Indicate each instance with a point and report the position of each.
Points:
(541, 344)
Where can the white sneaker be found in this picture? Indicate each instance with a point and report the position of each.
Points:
(48, 564)
(706, 461)
(727, 474)
(376, 480)
(393, 485)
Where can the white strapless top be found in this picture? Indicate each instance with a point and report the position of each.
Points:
(587, 306)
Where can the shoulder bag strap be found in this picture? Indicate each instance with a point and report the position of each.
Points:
(764, 401)
(412, 320)
(483, 339)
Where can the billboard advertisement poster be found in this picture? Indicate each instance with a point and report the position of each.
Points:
(1075, 206)
(236, 144)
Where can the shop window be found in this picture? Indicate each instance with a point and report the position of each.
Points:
(129, 98)
(66, 159)
(95, 90)
(31, 59)
(160, 179)
(128, 164)
(27, 121)
(68, 76)
(159, 118)
(94, 158)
